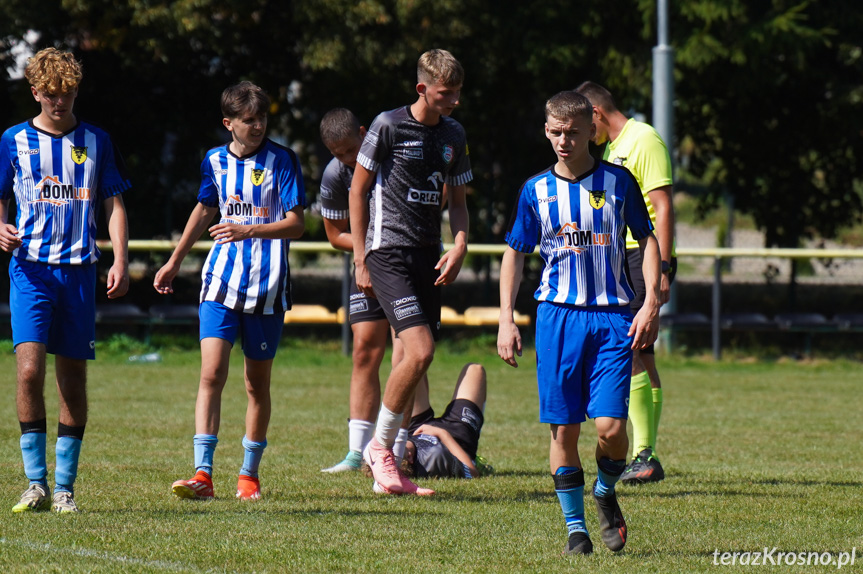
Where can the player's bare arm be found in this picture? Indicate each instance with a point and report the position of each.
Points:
(118, 231)
(645, 325)
(508, 336)
(451, 445)
(339, 234)
(291, 227)
(197, 224)
(359, 210)
(452, 260)
(663, 206)
(9, 240)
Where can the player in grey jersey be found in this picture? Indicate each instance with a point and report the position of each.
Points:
(408, 156)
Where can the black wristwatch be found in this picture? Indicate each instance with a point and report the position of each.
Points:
(666, 267)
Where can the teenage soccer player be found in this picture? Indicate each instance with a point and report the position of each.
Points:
(577, 211)
(61, 171)
(638, 147)
(407, 157)
(343, 135)
(256, 187)
(445, 446)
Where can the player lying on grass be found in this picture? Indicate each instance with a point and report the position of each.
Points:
(446, 446)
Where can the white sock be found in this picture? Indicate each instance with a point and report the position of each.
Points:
(388, 426)
(399, 446)
(360, 432)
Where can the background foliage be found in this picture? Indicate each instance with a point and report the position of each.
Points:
(768, 94)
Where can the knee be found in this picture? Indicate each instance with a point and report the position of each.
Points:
(29, 373)
(365, 355)
(612, 433)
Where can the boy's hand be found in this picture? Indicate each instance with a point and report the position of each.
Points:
(453, 260)
(508, 343)
(9, 240)
(364, 281)
(224, 232)
(164, 278)
(645, 326)
(118, 280)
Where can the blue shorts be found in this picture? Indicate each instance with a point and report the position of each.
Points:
(54, 305)
(583, 363)
(260, 333)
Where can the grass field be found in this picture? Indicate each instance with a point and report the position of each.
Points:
(757, 455)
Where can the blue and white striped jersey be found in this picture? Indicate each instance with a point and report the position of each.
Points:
(252, 275)
(59, 183)
(580, 227)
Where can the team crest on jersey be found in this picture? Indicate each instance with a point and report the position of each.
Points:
(79, 154)
(258, 176)
(448, 153)
(597, 198)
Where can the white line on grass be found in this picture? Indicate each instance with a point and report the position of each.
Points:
(84, 553)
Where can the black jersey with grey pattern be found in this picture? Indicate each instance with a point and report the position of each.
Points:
(412, 162)
(335, 188)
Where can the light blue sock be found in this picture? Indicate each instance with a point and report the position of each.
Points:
(205, 447)
(252, 457)
(607, 473)
(33, 453)
(569, 487)
(68, 452)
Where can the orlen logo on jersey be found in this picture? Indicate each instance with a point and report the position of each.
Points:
(424, 197)
(52, 190)
(238, 210)
(577, 240)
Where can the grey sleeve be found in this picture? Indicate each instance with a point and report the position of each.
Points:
(334, 192)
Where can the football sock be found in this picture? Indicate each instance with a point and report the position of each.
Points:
(252, 457)
(205, 447)
(68, 451)
(388, 426)
(657, 412)
(641, 413)
(569, 487)
(33, 441)
(608, 471)
(359, 434)
(400, 444)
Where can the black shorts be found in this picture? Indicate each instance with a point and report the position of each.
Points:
(462, 418)
(636, 279)
(362, 307)
(403, 280)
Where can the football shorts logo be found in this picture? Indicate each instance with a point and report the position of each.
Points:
(597, 198)
(448, 153)
(79, 154)
(258, 176)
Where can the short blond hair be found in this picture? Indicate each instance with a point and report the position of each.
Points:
(52, 71)
(439, 66)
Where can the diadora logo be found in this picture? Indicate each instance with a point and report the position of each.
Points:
(238, 210)
(577, 240)
(34, 151)
(447, 152)
(258, 176)
(53, 191)
(435, 178)
(79, 154)
(403, 300)
(597, 198)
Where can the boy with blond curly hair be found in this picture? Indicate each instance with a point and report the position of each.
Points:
(60, 171)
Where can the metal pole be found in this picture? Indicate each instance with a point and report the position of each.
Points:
(346, 305)
(717, 284)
